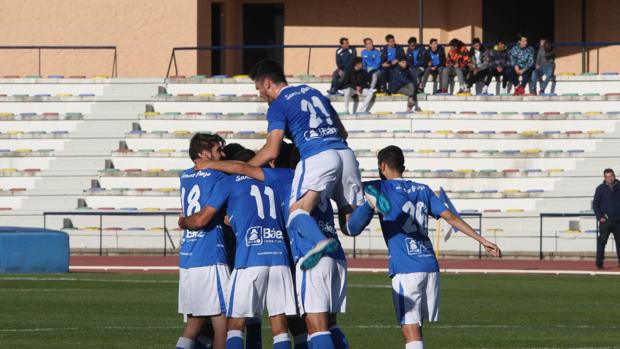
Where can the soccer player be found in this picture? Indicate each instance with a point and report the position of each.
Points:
(328, 167)
(321, 291)
(203, 269)
(261, 273)
(404, 221)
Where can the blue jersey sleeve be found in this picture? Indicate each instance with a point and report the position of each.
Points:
(436, 207)
(277, 177)
(220, 193)
(276, 120)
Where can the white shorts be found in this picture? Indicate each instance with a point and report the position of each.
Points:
(254, 287)
(203, 290)
(322, 289)
(333, 173)
(416, 297)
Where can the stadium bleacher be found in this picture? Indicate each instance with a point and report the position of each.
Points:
(119, 144)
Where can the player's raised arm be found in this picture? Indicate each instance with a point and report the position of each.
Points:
(270, 150)
(461, 225)
(232, 167)
(198, 219)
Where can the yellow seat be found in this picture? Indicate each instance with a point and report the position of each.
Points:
(595, 132)
(515, 210)
(571, 231)
(151, 113)
(182, 132)
(6, 115)
(167, 151)
(466, 170)
(532, 151)
(425, 112)
(151, 209)
(156, 229)
(443, 132)
(383, 113)
(426, 150)
(566, 74)
(155, 170)
(23, 150)
(14, 133)
(494, 230)
(511, 191)
(530, 133)
(167, 190)
(241, 77)
(101, 77)
(555, 170)
(64, 95)
(206, 94)
(91, 228)
(9, 170)
(593, 113)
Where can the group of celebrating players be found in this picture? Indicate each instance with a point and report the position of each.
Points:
(287, 256)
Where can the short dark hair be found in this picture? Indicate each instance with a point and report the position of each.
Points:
(609, 170)
(389, 37)
(500, 40)
(432, 41)
(343, 39)
(231, 149)
(476, 41)
(268, 68)
(412, 40)
(367, 39)
(393, 157)
(456, 43)
(244, 155)
(288, 156)
(203, 141)
(521, 36)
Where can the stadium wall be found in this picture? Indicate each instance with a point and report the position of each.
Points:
(146, 30)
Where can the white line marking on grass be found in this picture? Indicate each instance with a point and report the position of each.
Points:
(39, 329)
(122, 267)
(91, 280)
(527, 271)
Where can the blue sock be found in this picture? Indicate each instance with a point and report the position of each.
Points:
(185, 343)
(360, 218)
(340, 340)
(253, 337)
(282, 341)
(301, 341)
(322, 340)
(234, 340)
(307, 227)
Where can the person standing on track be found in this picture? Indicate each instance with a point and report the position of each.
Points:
(606, 205)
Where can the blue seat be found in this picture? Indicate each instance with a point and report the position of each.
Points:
(447, 151)
(532, 170)
(60, 132)
(86, 95)
(28, 114)
(488, 191)
(447, 112)
(219, 77)
(213, 113)
(422, 131)
(511, 151)
(549, 94)
(363, 113)
(356, 131)
(42, 95)
(551, 132)
(610, 73)
(56, 77)
(136, 229)
(401, 113)
(445, 170)
(487, 132)
(573, 151)
(256, 113)
(128, 209)
(378, 131)
(530, 113)
(488, 112)
(228, 95)
(246, 133)
(469, 211)
(535, 191)
(137, 132)
(5, 151)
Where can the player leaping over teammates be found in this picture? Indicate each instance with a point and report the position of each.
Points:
(321, 291)
(412, 264)
(261, 273)
(328, 167)
(203, 269)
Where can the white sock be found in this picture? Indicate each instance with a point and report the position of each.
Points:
(282, 337)
(185, 343)
(234, 333)
(415, 345)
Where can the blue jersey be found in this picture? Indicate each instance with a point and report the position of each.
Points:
(371, 60)
(280, 180)
(405, 228)
(308, 119)
(206, 246)
(254, 213)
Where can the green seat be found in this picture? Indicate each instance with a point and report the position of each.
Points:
(172, 113)
(570, 94)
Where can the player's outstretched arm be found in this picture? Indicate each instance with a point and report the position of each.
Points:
(198, 219)
(231, 167)
(270, 150)
(461, 225)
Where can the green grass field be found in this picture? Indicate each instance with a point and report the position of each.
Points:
(477, 311)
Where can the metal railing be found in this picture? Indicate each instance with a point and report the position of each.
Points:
(166, 236)
(39, 50)
(559, 215)
(583, 46)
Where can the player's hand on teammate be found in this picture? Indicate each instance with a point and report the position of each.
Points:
(492, 248)
(181, 222)
(201, 164)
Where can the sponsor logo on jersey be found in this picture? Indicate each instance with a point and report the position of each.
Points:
(417, 247)
(258, 235)
(322, 132)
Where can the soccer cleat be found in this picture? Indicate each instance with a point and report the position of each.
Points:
(312, 258)
(377, 200)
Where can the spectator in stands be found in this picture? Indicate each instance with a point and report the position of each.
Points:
(402, 82)
(498, 63)
(544, 66)
(457, 63)
(371, 61)
(345, 57)
(435, 59)
(390, 56)
(521, 58)
(606, 205)
(478, 64)
(415, 59)
(357, 83)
